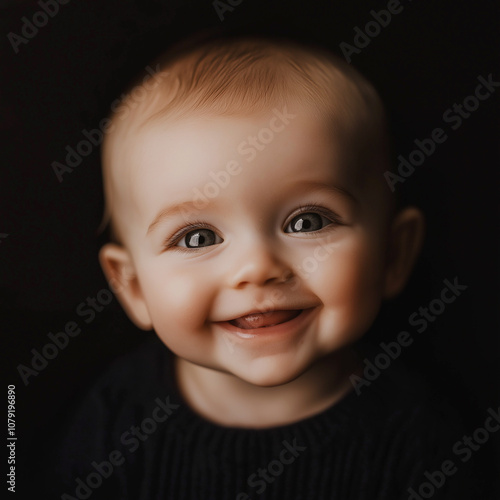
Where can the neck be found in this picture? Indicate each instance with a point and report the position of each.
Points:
(230, 401)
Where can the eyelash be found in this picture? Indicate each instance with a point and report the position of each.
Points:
(171, 242)
(313, 207)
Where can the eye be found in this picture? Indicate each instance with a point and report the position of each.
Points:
(307, 222)
(199, 238)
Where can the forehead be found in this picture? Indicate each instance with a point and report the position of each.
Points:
(151, 157)
(173, 158)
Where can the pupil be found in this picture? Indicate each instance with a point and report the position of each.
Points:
(309, 222)
(200, 238)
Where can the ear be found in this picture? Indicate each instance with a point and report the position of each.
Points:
(405, 241)
(119, 270)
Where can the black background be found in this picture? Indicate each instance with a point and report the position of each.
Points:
(424, 61)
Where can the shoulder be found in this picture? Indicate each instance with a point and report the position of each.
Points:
(412, 429)
(137, 373)
(129, 389)
(125, 392)
(399, 397)
(123, 396)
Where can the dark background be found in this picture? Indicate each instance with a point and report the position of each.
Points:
(424, 61)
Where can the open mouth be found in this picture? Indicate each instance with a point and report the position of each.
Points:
(271, 325)
(265, 319)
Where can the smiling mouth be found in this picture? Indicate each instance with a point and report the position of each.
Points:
(262, 320)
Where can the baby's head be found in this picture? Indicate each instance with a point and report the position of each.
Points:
(254, 230)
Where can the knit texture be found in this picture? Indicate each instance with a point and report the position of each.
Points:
(134, 437)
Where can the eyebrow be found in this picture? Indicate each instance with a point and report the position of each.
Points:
(187, 206)
(316, 185)
(183, 207)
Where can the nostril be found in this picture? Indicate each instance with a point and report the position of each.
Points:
(258, 265)
(286, 276)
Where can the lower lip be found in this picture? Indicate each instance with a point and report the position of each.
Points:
(287, 328)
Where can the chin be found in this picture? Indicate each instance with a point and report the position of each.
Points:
(271, 377)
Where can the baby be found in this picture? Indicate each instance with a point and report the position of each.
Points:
(254, 232)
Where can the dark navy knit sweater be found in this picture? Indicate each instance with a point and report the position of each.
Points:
(134, 437)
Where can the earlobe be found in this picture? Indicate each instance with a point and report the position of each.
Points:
(119, 270)
(405, 241)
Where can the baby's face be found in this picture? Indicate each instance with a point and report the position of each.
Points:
(259, 247)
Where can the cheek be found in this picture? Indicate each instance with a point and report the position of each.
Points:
(177, 301)
(349, 283)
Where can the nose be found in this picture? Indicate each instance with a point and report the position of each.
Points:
(258, 263)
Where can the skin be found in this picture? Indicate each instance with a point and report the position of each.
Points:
(356, 254)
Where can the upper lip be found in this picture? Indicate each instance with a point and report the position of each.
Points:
(260, 311)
